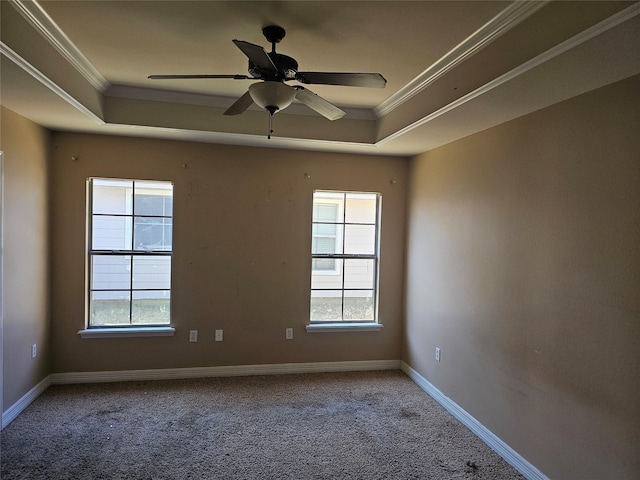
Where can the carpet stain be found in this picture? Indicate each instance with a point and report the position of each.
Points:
(348, 425)
(408, 413)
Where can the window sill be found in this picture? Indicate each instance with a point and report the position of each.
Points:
(343, 327)
(127, 332)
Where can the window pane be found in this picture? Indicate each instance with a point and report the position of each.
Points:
(359, 273)
(324, 264)
(328, 279)
(112, 196)
(326, 212)
(360, 239)
(358, 305)
(361, 208)
(109, 308)
(154, 198)
(110, 272)
(151, 272)
(152, 233)
(323, 245)
(151, 307)
(328, 206)
(327, 238)
(325, 229)
(110, 232)
(326, 305)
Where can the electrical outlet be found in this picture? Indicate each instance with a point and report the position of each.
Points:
(437, 354)
(219, 335)
(288, 333)
(34, 350)
(193, 335)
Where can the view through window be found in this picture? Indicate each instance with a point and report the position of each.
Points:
(344, 252)
(130, 247)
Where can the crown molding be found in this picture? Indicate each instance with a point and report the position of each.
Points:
(47, 82)
(44, 24)
(573, 42)
(245, 139)
(504, 21)
(187, 98)
(169, 96)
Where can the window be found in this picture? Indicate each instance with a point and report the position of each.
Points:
(129, 252)
(344, 252)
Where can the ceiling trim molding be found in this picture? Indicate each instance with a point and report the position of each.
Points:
(247, 140)
(591, 32)
(504, 21)
(47, 82)
(44, 24)
(169, 96)
(189, 98)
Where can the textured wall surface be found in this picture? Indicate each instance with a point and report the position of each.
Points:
(522, 267)
(25, 255)
(242, 252)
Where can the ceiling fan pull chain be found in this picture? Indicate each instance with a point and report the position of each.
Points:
(270, 126)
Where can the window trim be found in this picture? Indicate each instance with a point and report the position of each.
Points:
(331, 327)
(122, 332)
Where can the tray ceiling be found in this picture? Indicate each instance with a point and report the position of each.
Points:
(452, 68)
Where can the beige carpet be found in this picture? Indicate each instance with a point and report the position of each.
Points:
(360, 425)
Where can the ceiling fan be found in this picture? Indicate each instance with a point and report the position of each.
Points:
(274, 69)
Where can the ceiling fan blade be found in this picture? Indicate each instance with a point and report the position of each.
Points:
(319, 104)
(240, 105)
(256, 54)
(374, 80)
(171, 77)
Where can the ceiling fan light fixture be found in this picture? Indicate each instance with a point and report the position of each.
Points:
(272, 96)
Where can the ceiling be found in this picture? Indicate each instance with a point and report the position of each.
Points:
(452, 68)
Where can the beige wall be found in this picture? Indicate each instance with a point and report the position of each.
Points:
(523, 259)
(26, 255)
(242, 252)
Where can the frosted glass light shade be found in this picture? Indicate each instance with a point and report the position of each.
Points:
(272, 96)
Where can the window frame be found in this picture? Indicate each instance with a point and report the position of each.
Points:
(348, 325)
(129, 329)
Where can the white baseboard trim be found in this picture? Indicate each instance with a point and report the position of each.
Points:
(505, 451)
(14, 410)
(224, 371)
(197, 372)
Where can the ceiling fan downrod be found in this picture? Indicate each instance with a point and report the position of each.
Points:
(273, 34)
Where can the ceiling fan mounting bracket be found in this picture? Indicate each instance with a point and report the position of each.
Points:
(273, 33)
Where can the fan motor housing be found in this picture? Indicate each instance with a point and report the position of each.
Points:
(287, 68)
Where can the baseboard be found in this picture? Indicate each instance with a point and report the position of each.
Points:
(505, 451)
(14, 410)
(199, 372)
(224, 371)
